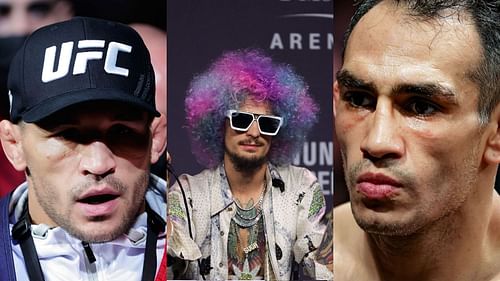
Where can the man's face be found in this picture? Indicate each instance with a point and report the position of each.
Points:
(248, 150)
(88, 169)
(407, 121)
(21, 17)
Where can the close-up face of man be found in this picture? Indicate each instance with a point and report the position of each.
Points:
(88, 168)
(248, 149)
(407, 120)
(21, 17)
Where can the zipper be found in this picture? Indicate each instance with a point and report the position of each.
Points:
(90, 262)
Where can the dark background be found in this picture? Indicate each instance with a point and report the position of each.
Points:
(125, 11)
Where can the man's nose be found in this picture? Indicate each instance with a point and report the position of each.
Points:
(97, 159)
(383, 138)
(253, 130)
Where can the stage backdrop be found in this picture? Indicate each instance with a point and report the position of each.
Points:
(297, 32)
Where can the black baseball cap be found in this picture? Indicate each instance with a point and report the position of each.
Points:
(80, 60)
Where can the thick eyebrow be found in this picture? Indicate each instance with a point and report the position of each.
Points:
(427, 90)
(347, 79)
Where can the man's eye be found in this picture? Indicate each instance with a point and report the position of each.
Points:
(40, 9)
(359, 99)
(5, 10)
(120, 130)
(126, 140)
(71, 134)
(422, 107)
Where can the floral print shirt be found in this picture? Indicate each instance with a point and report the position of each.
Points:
(293, 206)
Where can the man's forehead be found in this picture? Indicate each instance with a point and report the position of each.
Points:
(382, 48)
(390, 13)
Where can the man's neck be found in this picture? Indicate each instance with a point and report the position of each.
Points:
(457, 247)
(245, 185)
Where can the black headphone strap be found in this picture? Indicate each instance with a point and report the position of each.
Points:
(156, 225)
(22, 233)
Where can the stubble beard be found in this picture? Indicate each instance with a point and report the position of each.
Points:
(48, 202)
(246, 164)
(420, 221)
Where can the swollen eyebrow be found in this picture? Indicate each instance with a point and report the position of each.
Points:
(428, 91)
(347, 79)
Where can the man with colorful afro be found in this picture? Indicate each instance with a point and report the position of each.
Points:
(250, 214)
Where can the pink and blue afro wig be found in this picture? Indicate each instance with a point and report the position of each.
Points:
(227, 83)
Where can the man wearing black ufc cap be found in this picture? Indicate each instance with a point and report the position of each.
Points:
(84, 129)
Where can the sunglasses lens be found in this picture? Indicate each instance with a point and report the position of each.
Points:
(241, 120)
(269, 125)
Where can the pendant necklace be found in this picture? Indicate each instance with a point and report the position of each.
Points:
(246, 273)
(249, 218)
(246, 217)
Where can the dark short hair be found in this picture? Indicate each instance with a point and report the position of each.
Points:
(485, 15)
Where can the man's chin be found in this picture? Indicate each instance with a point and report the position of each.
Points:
(245, 162)
(382, 229)
(97, 230)
(97, 235)
(383, 225)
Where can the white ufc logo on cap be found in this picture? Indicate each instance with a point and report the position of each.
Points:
(81, 59)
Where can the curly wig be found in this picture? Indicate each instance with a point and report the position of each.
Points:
(227, 83)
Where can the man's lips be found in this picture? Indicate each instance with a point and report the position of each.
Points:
(250, 145)
(98, 191)
(98, 201)
(377, 186)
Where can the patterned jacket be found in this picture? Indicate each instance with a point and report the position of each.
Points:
(292, 210)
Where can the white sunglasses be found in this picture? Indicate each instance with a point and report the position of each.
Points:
(241, 121)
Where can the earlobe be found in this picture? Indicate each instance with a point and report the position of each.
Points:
(159, 137)
(10, 135)
(492, 151)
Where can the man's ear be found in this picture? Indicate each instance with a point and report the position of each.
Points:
(336, 97)
(159, 137)
(492, 150)
(10, 135)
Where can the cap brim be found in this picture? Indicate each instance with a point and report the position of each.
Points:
(54, 104)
